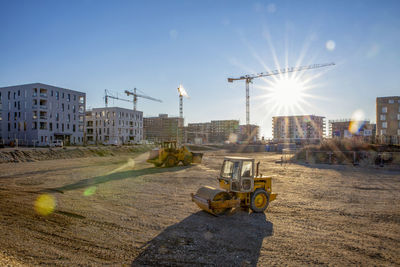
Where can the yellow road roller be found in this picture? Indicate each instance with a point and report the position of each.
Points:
(240, 184)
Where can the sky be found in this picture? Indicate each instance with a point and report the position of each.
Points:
(155, 46)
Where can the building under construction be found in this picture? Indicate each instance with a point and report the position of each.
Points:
(303, 128)
(217, 131)
(163, 128)
(346, 128)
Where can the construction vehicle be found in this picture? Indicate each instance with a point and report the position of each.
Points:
(170, 155)
(240, 187)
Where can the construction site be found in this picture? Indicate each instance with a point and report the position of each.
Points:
(120, 210)
(199, 133)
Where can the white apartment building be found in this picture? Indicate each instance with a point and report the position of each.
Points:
(113, 126)
(304, 127)
(37, 114)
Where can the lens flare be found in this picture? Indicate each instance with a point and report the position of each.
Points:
(90, 191)
(45, 204)
(356, 121)
(233, 138)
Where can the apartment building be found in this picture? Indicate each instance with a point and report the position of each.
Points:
(298, 128)
(346, 128)
(221, 130)
(163, 128)
(249, 133)
(388, 118)
(37, 114)
(113, 126)
(198, 132)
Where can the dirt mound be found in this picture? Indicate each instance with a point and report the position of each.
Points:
(30, 155)
(348, 152)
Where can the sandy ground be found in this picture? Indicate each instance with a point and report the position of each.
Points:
(121, 211)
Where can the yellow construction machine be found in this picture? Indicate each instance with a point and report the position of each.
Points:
(169, 154)
(241, 186)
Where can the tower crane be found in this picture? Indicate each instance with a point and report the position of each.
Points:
(182, 93)
(135, 96)
(107, 96)
(249, 79)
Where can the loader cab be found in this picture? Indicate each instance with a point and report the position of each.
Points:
(237, 174)
(169, 146)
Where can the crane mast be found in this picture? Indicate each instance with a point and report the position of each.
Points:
(249, 79)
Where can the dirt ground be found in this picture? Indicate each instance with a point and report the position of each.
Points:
(121, 211)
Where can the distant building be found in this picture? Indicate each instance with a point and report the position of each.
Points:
(347, 128)
(198, 133)
(113, 125)
(222, 130)
(38, 114)
(250, 138)
(388, 119)
(298, 128)
(163, 128)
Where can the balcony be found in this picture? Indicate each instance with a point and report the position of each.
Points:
(43, 107)
(43, 117)
(43, 95)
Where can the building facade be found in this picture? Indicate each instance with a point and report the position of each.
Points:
(222, 130)
(388, 119)
(249, 133)
(38, 114)
(347, 129)
(163, 128)
(114, 126)
(198, 133)
(298, 128)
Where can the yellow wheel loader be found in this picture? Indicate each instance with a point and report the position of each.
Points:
(241, 186)
(170, 155)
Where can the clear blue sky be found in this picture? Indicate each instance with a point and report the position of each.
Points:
(156, 45)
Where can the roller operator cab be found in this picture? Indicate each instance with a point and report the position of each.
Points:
(240, 184)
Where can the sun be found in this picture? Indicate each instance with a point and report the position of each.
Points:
(287, 92)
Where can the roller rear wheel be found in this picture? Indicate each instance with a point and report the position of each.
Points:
(259, 200)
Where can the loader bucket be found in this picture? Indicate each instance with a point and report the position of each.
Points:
(197, 157)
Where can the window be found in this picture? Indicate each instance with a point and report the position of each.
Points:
(398, 116)
(62, 106)
(57, 95)
(81, 100)
(383, 117)
(62, 95)
(384, 124)
(384, 109)
(51, 93)
(73, 127)
(68, 97)
(391, 101)
(51, 126)
(398, 131)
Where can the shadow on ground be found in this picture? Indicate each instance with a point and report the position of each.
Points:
(202, 239)
(114, 177)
